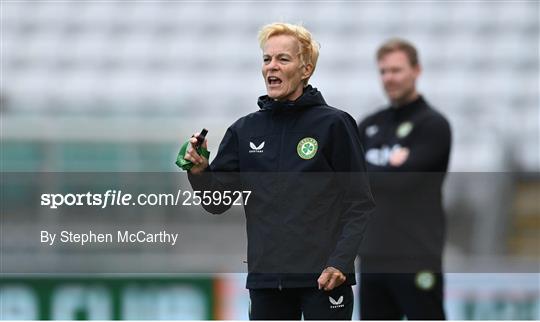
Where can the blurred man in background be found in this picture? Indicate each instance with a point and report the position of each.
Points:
(303, 229)
(407, 147)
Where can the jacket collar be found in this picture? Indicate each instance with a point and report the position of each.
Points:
(310, 97)
(410, 108)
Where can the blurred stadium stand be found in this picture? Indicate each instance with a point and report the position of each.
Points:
(117, 86)
(145, 59)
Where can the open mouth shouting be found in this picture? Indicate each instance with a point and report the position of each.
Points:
(273, 81)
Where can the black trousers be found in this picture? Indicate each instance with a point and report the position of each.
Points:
(394, 296)
(295, 303)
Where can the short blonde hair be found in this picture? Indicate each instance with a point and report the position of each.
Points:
(309, 48)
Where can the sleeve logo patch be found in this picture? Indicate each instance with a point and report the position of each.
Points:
(307, 148)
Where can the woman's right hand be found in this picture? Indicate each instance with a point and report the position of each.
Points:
(199, 162)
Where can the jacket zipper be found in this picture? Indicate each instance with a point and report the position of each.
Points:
(281, 144)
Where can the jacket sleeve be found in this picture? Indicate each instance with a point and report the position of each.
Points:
(347, 160)
(221, 174)
(362, 130)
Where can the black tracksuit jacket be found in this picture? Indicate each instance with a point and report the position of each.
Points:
(408, 227)
(304, 214)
